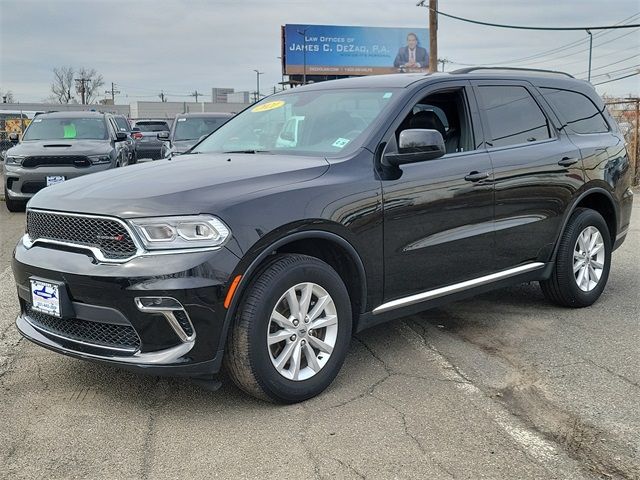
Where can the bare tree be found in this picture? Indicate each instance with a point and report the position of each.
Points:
(7, 96)
(62, 84)
(89, 80)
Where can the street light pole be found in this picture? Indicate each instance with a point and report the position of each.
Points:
(258, 73)
(590, 49)
(304, 54)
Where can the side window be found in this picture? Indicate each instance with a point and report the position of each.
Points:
(576, 110)
(447, 113)
(113, 126)
(513, 115)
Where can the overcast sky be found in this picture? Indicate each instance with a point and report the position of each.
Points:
(145, 46)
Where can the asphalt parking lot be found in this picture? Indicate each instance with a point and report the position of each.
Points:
(500, 386)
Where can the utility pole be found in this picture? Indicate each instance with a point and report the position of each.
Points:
(258, 73)
(196, 94)
(433, 33)
(433, 36)
(113, 92)
(303, 32)
(82, 88)
(163, 97)
(590, 49)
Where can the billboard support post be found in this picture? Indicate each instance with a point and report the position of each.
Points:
(433, 36)
(304, 54)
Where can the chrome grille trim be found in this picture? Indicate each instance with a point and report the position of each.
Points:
(94, 247)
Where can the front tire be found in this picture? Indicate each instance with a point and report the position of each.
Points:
(292, 331)
(583, 261)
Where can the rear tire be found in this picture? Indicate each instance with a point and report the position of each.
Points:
(14, 205)
(583, 261)
(291, 332)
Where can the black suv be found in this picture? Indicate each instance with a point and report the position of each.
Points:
(274, 240)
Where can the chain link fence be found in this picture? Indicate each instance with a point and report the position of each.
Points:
(626, 113)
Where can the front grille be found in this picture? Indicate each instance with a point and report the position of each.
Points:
(56, 160)
(110, 236)
(94, 333)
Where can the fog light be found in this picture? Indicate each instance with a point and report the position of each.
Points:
(173, 311)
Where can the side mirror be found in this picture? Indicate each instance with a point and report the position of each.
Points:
(14, 137)
(121, 136)
(164, 136)
(416, 145)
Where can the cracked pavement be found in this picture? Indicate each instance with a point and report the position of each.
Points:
(500, 386)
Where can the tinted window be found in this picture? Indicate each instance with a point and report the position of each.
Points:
(66, 129)
(153, 126)
(513, 115)
(576, 110)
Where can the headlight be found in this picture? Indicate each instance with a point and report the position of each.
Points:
(192, 231)
(14, 159)
(99, 159)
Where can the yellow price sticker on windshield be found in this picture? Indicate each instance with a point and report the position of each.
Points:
(268, 106)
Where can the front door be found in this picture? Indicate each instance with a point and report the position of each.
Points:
(438, 215)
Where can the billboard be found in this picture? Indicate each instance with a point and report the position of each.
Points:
(344, 50)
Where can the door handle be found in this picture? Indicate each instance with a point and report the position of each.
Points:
(567, 161)
(476, 176)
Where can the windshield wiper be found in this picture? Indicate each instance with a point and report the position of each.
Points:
(247, 151)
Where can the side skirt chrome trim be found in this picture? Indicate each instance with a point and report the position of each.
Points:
(455, 288)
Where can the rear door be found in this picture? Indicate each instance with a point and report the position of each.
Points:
(537, 170)
(438, 215)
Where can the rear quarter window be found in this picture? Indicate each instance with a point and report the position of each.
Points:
(576, 110)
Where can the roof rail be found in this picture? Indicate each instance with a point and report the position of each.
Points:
(516, 69)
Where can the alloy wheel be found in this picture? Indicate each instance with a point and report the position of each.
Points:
(302, 331)
(588, 258)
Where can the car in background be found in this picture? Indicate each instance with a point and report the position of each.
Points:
(56, 147)
(122, 125)
(188, 129)
(145, 135)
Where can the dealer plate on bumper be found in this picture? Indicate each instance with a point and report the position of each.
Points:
(52, 180)
(45, 297)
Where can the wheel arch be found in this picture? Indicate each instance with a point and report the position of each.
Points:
(594, 198)
(329, 247)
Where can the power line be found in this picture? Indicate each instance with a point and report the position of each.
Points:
(522, 27)
(568, 46)
(619, 78)
(607, 74)
(610, 64)
(583, 50)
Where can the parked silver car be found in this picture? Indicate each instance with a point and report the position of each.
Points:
(56, 147)
(188, 129)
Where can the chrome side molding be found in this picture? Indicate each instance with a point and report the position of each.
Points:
(456, 287)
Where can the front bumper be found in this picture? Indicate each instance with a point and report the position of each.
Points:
(104, 295)
(23, 183)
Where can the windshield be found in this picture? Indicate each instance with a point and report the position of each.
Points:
(153, 126)
(192, 128)
(320, 122)
(66, 129)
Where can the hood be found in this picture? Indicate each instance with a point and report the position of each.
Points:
(61, 147)
(187, 184)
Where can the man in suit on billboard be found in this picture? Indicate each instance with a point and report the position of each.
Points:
(411, 56)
